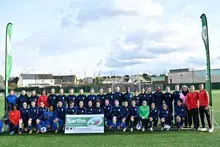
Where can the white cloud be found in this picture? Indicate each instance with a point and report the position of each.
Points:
(119, 35)
(144, 7)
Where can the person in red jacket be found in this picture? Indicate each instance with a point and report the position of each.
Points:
(204, 108)
(14, 117)
(192, 104)
(43, 98)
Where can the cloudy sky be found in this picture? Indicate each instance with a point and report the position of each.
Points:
(122, 36)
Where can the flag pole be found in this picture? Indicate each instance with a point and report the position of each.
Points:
(6, 64)
(205, 38)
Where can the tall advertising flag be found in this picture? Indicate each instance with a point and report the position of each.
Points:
(8, 57)
(205, 38)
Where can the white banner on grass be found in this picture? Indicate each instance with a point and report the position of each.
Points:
(84, 124)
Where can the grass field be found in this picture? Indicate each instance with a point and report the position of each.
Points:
(117, 139)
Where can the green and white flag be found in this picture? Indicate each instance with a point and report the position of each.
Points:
(8, 56)
(205, 38)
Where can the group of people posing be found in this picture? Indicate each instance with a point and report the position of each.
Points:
(139, 111)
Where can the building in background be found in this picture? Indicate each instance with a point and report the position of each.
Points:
(65, 80)
(135, 79)
(159, 81)
(192, 76)
(35, 80)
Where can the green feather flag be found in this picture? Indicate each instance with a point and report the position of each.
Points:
(205, 38)
(8, 57)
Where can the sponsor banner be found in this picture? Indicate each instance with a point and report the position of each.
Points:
(84, 124)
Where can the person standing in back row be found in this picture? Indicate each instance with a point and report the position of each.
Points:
(158, 98)
(128, 96)
(188, 117)
(204, 108)
(192, 103)
(43, 98)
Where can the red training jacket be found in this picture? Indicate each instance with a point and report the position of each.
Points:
(203, 98)
(14, 117)
(192, 100)
(44, 99)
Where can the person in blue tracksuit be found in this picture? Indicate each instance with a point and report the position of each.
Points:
(180, 113)
(158, 98)
(101, 97)
(118, 95)
(61, 97)
(1, 125)
(60, 115)
(110, 96)
(128, 96)
(150, 96)
(71, 109)
(126, 114)
(117, 114)
(153, 117)
(81, 109)
(98, 109)
(11, 100)
(164, 116)
(168, 99)
(89, 108)
(133, 115)
(41, 122)
(52, 98)
(24, 118)
(34, 97)
(176, 94)
(136, 97)
(49, 116)
(71, 97)
(33, 113)
(81, 97)
(91, 97)
(23, 98)
(142, 96)
(107, 113)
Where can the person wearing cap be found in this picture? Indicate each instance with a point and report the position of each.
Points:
(144, 114)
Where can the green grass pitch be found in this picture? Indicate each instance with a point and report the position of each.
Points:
(118, 139)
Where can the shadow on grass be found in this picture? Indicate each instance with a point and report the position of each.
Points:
(107, 133)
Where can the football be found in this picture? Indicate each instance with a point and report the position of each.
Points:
(43, 130)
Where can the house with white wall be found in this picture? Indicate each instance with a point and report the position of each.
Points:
(35, 80)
